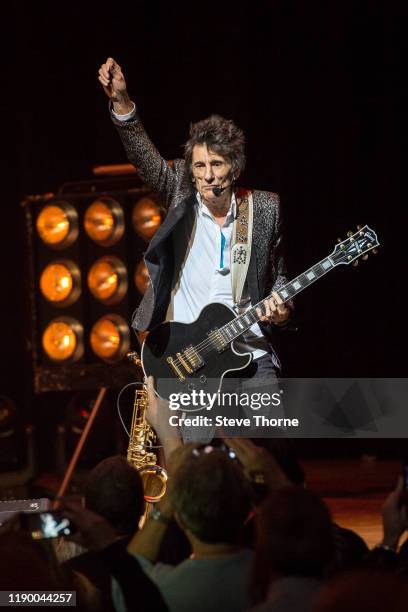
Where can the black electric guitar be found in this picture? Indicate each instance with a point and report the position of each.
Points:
(188, 357)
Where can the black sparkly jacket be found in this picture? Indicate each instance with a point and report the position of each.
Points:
(266, 270)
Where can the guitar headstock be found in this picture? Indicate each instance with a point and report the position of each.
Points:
(356, 245)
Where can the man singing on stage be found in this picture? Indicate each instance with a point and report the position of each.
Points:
(210, 226)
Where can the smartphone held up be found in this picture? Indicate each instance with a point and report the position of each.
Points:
(45, 525)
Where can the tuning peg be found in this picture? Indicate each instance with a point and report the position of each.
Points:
(350, 233)
(355, 263)
(374, 251)
(339, 240)
(365, 257)
(359, 227)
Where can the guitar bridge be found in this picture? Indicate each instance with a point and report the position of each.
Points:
(175, 368)
(185, 362)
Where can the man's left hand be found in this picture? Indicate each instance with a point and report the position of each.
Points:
(276, 311)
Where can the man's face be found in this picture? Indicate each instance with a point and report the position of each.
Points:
(210, 170)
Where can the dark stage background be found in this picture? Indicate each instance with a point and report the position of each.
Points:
(317, 87)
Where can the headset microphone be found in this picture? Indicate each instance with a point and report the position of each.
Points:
(217, 191)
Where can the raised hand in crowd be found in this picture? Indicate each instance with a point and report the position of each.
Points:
(259, 465)
(94, 532)
(147, 541)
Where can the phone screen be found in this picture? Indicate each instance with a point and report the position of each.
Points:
(44, 525)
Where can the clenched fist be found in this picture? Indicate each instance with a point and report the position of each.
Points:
(111, 77)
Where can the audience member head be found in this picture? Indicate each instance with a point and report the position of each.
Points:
(115, 491)
(350, 550)
(294, 537)
(211, 497)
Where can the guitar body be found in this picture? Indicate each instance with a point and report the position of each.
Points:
(172, 349)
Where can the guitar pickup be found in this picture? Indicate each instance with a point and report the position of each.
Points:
(192, 357)
(185, 362)
(218, 340)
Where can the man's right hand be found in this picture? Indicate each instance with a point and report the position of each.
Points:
(114, 85)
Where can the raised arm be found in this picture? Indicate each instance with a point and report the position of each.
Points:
(140, 150)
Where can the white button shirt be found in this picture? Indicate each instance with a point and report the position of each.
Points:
(204, 274)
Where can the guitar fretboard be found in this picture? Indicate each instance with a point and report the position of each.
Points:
(242, 323)
(304, 280)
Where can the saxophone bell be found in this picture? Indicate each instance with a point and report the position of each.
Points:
(154, 480)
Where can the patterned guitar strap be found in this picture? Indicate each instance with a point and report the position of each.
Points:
(241, 244)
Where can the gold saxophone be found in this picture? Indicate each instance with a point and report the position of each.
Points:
(140, 455)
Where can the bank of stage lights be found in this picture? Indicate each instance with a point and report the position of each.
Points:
(88, 274)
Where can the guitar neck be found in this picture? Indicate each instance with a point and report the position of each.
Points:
(242, 323)
(304, 280)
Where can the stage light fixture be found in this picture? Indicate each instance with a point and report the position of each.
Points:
(110, 338)
(104, 221)
(83, 298)
(60, 283)
(146, 218)
(62, 340)
(107, 280)
(57, 225)
(141, 277)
